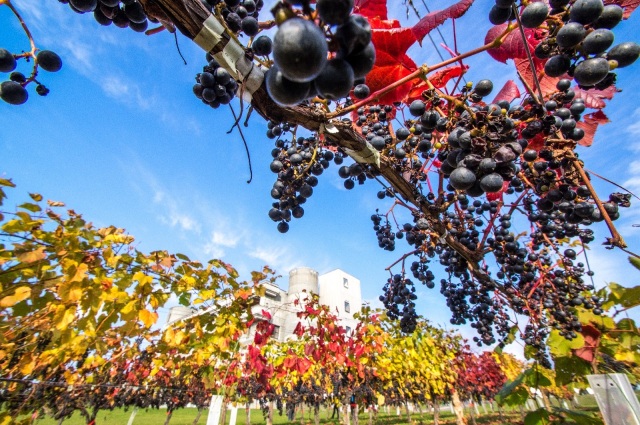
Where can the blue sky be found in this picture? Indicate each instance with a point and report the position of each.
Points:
(122, 140)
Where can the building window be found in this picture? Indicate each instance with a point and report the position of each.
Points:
(273, 296)
(347, 307)
(276, 333)
(345, 282)
(348, 328)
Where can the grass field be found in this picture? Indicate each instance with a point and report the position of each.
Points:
(188, 415)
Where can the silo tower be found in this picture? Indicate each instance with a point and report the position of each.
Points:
(302, 282)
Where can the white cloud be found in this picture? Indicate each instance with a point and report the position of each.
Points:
(279, 258)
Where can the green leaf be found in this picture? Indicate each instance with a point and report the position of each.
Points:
(537, 417)
(36, 197)
(626, 297)
(568, 368)
(535, 378)
(560, 346)
(507, 395)
(30, 207)
(635, 262)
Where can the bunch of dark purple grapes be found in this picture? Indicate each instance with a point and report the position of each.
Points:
(14, 91)
(579, 34)
(297, 163)
(239, 15)
(301, 68)
(123, 14)
(214, 85)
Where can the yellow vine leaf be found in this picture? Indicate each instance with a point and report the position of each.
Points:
(64, 317)
(21, 293)
(169, 336)
(128, 308)
(81, 272)
(147, 317)
(32, 256)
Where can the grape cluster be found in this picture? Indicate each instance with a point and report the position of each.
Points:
(398, 299)
(297, 161)
(301, 69)
(13, 91)
(214, 86)
(123, 14)
(240, 16)
(577, 40)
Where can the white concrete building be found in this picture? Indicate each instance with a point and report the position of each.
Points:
(336, 289)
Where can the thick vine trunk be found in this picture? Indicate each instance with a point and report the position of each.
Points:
(436, 413)
(169, 414)
(270, 414)
(407, 412)
(247, 414)
(316, 414)
(197, 419)
(458, 409)
(472, 413)
(223, 413)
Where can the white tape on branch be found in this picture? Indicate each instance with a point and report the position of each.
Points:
(231, 58)
(210, 34)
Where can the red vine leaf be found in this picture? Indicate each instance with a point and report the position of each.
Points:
(388, 71)
(591, 336)
(590, 125)
(547, 84)
(371, 8)
(497, 196)
(392, 42)
(628, 5)
(594, 98)
(435, 19)
(508, 92)
(512, 47)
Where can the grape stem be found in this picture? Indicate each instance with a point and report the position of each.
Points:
(526, 49)
(32, 53)
(616, 239)
(420, 72)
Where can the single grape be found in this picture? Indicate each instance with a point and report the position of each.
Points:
(139, 27)
(18, 77)
(250, 26)
(135, 12)
(361, 91)
(624, 53)
(586, 11)
(570, 35)
(491, 183)
(483, 87)
(283, 227)
(610, 17)
(335, 80)
(49, 61)
(334, 12)
(13, 93)
(362, 62)
(42, 90)
(354, 35)
(534, 14)
(597, 41)
(7, 61)
(557, 65)
(262, 46)
(100, 17)
(591, 71)
(499, 15)
(462, 178)
(284, 91)
(234, 21)
(300, 50)
(84, 5)
(417, 108)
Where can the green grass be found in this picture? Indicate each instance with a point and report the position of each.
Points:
(186, 417)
